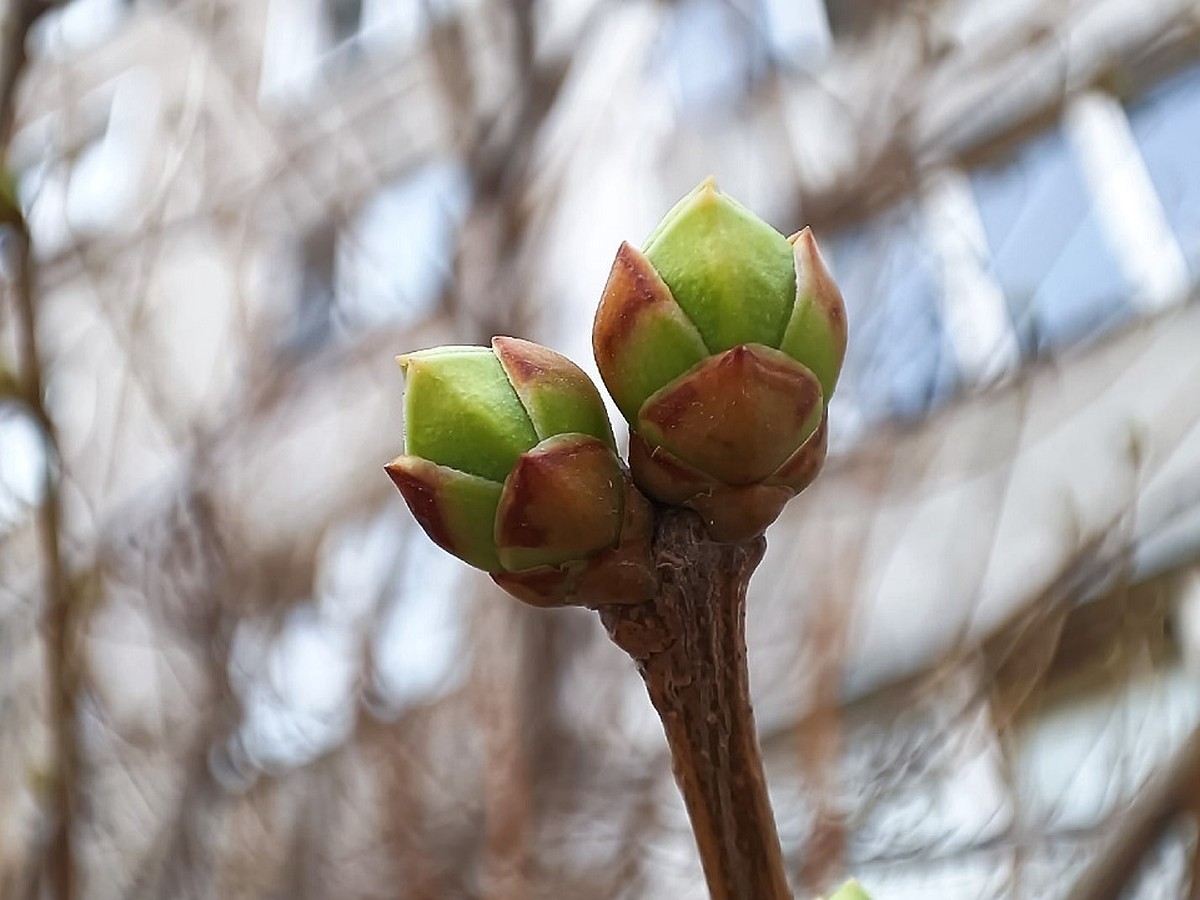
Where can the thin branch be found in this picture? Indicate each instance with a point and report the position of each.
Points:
(1142, 826)
(62, 674)
(20, 17)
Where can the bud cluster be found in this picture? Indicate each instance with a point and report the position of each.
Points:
(720, 342)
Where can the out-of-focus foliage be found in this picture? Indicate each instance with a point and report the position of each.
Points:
(230, 664)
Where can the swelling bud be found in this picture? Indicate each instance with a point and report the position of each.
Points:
(511, 466)
(721, 343)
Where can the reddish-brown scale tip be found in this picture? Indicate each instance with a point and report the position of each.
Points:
(632, 283)
(811, 268)
(524, 361)
(422, 500)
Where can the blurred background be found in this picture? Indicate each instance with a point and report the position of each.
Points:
(231, 666)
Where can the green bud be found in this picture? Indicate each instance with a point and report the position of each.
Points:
(510, 465)
(721, 344)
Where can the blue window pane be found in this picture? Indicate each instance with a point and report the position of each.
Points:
(899, 361)
(1166, 126)
(1049, 255)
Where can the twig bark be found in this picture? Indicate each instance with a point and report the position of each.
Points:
(689, 646)
(58, 862)
(58, 614)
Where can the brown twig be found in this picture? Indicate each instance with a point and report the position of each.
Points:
(1173, 792)
(690, 648)
(59, 860)
(58, 612)
(20, 17)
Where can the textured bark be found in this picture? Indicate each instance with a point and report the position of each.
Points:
(690, 648)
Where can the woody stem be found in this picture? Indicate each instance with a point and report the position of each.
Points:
(690, 648)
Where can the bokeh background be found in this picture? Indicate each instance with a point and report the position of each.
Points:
(231, 666)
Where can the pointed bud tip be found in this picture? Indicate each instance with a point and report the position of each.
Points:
(412, 477)
(398, 467)
(455, 509)
(804, 234)
(505, 342)
(804, 244)
(705, 196)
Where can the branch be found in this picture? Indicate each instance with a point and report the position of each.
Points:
(21, 15)
(1143, 825)
(690, 647)
(59, 627)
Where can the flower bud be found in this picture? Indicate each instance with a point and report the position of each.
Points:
(510, 465)
(721, 344)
